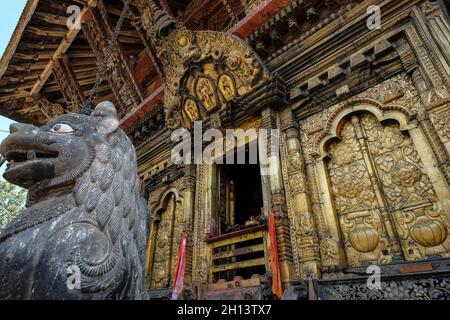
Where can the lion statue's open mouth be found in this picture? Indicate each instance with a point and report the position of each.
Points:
(41, 158)
(27, 164)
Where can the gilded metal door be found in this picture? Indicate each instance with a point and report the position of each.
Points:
(384, 200)
(168, 234)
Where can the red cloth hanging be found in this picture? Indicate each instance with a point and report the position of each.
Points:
(178, 283)
(277, 288)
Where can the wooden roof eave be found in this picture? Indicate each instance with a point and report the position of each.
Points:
(25, 18)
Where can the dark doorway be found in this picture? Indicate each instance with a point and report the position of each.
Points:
(240, 194)
(239, 243)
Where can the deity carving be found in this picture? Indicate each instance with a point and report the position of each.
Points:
(191, 109)
(168, 232)
(206, 93)
(227, 87)
(441, 121)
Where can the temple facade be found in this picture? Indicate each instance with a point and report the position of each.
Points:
(358, 90)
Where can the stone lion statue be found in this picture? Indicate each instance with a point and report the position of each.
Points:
(83, 234)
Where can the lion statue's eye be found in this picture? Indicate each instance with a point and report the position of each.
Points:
(62, 128)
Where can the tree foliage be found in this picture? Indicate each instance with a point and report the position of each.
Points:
(12, 201)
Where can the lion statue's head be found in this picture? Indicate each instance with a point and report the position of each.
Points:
(81, 174)
(51, 158)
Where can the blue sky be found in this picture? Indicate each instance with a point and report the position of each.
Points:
(9, 16)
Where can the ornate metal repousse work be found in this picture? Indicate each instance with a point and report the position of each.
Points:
(384, 199)
(406, 189)
(355, 199)
(168, 234)
(204, 70)
(398, 289)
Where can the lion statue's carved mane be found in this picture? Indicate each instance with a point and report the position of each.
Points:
(84, 232)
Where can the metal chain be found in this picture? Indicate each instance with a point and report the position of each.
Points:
(87, 108)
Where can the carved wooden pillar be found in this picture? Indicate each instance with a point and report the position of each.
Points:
(273, 185)
(297, 190)
(146, 30)
(189, 201)
(119, 77)
(151, 248)
(383, 204)
(68, 84)
(147, 42)
(428, 53)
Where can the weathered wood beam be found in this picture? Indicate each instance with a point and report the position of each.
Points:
(44, 106)
(17, 35)
(11, 97)
(48, 31)
(27, 66)
(63, 47)
(82, 54)
(18, 78)
(37, 46)
(84, 70)
(166, 7)
(51, 18)
(34, 56)
(70, 88)
(130, 40)
(14, 89)
(76, 62)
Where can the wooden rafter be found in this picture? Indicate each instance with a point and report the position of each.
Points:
(17, 35)
(68, 83)
(98, 30)
(69, 37)
(165, 6)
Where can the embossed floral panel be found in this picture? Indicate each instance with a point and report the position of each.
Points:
(420, 223)
(365, 237)
(384, 200)
(168, 234)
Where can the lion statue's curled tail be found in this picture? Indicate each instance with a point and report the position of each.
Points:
(84, 232)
